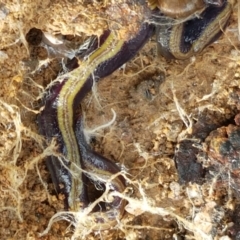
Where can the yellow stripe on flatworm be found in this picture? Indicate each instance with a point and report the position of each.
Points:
(206, 36)
(112, 215)
(152, 4)
(69, 91)
(213, 28)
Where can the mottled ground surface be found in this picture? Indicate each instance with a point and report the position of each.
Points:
(156, 102)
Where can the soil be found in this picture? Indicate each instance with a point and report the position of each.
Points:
(157, 102)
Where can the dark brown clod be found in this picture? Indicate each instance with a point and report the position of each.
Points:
(223, 149)
(189, 170)
(34, 36)
(188, 167)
